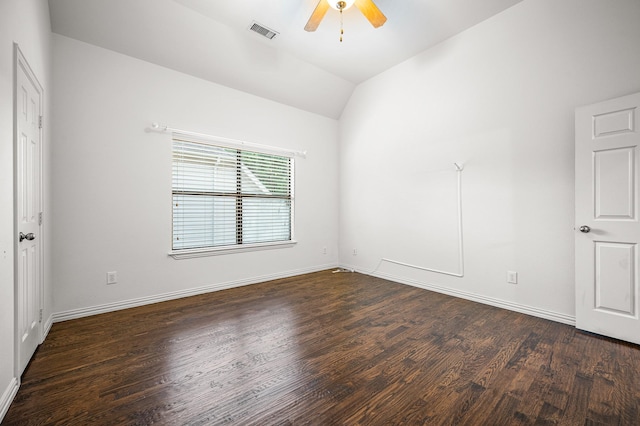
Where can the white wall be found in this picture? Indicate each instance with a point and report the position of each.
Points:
(112, 178)
(218, 49)
(25, 22)
(500, 98)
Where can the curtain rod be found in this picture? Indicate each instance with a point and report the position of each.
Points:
(235, 142)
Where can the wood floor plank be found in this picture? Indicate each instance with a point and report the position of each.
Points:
(326, 349)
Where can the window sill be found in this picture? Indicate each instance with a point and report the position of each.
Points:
(216, 251)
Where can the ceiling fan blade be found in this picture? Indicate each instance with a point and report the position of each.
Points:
(317, 15)
(371, 12)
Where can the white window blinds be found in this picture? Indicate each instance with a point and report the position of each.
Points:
(229, 197)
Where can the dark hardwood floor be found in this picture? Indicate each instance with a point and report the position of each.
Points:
(326, 349)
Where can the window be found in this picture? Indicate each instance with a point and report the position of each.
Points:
(228, 198)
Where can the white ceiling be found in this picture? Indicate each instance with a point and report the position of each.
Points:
(313, 71)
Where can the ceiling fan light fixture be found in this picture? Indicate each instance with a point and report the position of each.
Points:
(341, 4)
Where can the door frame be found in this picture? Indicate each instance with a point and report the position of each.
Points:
(20, 62)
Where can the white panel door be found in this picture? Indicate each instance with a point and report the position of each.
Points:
(28, 201)
(607, 228)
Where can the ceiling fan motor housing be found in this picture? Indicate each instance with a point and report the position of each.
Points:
(341, 4)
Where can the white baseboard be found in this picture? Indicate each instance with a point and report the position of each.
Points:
(46, 328)
(499, 303)
(7, 397)
(147, 300)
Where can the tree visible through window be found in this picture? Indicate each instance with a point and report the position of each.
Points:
(229, 197)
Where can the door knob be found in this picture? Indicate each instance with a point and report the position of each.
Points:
(30, 236)
(584, 228)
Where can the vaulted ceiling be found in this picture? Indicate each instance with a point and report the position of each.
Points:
(313, 71)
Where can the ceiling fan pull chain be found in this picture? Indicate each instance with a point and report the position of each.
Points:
(341, 26)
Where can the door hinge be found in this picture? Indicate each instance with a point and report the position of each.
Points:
(40, 122)
(40, 218)
(40, 315)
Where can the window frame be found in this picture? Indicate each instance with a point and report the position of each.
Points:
(188, 253)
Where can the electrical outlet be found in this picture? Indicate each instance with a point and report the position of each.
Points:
(112, 277)
(512, 277)
(324, 250)
(355, 251)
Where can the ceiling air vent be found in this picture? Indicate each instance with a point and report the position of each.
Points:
(262, 30)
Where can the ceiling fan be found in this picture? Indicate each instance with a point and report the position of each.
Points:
(367, 7)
